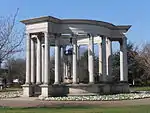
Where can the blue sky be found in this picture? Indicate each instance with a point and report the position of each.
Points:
(133, 12)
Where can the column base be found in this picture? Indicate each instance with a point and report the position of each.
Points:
(75, 83)
(56, 83)
(28, 90)
(45, 90)
(91, 83)
(38, 83)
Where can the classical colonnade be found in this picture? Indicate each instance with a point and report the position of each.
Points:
(38, 58)
(44, 32)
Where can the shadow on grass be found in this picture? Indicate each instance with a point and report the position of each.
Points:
(59, 107)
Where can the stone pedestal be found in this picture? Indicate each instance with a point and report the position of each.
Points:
(45, 90)
(97, 89)
(105, 88)
(122, 87)
(68, 80)
(28, 90)
(53, 90)
(83, 89)
(58, 90)
(37, 90)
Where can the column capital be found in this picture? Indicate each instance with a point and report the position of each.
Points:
(27, 33)
(123, 40)
(74, 40)
(48, 34)
(74, 35)
(90, 35)
(56, 35)
(63, 46)
(43, 45)
(108, 38)
(103, 36)
(34, 36)
(57, 41)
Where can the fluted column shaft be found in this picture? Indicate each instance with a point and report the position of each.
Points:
(33, 58)
(63, 62)
(104, 58)
(123, 60)
(109, 56)
(74, 60)
(57, 63)
(91, 59)
(47, 59)
(28, 59)
(43, 62)
(100, 58)
(38, 63)
(78, 64)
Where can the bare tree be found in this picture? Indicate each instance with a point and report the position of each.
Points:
(10, 38)
(16, 70)
(144, 60)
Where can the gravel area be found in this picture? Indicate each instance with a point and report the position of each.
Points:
(30, 102)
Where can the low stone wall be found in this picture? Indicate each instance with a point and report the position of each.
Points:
(120, 88)
(58, 90)
(88, 89)
(96, 89)
(76, 89)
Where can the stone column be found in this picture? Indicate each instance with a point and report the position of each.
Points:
(38, 61)
(100, 60)
(91, 59)
(27, 88)
(63, 63)
(28, 59)
(66, 71)
(78, 60)
(60, 64)
(47, 59)
(57, 63)
(74, 63)
(78, 52)
(43, 62)
(45, 86)
(33, 64)
(104, 58)
(108, 56)
(123, 60)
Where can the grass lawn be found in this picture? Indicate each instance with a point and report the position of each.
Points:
(146, 88)
(130, 109)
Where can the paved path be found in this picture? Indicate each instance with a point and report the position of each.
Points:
(33, 102)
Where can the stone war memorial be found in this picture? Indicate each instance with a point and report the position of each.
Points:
(45, 32)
